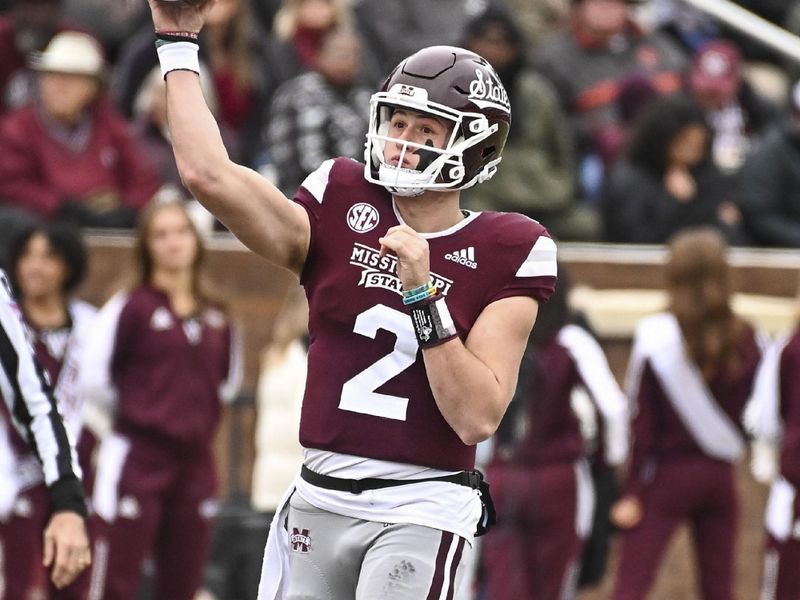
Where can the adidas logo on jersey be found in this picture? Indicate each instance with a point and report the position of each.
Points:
(464, 257)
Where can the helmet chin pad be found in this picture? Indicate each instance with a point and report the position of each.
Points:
(400, 181)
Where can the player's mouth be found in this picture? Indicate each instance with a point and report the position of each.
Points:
(407, 162)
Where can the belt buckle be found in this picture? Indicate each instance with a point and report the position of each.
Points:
(475, 479)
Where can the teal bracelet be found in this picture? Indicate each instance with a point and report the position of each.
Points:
(417, 294)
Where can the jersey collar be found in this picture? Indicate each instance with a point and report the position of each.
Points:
(471, 216)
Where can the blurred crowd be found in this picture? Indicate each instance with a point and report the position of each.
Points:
(632, 122)
(632, 119)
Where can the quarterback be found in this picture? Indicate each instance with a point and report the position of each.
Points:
(419, 315)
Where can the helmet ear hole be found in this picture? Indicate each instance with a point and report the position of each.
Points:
(456, 173)
(477, 125)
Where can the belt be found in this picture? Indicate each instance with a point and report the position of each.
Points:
(471, 479)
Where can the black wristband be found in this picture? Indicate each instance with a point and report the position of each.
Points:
(66, 494)
(177, 36)
(432, 322)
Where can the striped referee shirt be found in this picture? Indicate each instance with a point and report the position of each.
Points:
(32, 406)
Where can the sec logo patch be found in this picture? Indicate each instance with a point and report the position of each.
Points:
(362, 217)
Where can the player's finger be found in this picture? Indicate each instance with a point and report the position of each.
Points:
(61, 567)
(388, 243)
(49, 549)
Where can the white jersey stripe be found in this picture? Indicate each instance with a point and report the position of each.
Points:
(317, 182)
(541, 260)
(29, 397)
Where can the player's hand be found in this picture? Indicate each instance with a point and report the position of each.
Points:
(413, 257)
(627, 512)
(177, 16)
(66, 547)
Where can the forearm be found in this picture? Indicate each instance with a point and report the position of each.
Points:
(470, 397)
(250, 206)
(473, 382)
(196, 140)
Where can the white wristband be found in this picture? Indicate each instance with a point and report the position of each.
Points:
(179, 56)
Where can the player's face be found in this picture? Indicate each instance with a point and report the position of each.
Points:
(172, 241)
(41, 271)
(419, 128)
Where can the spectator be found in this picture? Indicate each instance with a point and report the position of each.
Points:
(422, 23)
(603, 46)
(112, 26)
(540, 476)
(541, 20)
(46, 265)
(773, 417)
(690, 27)
(303, 24)
(27, 28)
(246, 67)
(691, 372)
(280, 396)
(587, 64)
(278, 453)
(319, 114)
(538, 175)
(667, 180)
(164, 361)
(769, 188)
(70, 155)
(635, 92)
(736, 113)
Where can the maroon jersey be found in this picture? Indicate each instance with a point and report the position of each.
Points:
(367, 392)
(169, 372)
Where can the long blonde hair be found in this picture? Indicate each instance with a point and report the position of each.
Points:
(699, 285)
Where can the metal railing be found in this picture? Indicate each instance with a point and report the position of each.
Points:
(752, 25)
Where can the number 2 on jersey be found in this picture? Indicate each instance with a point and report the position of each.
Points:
(358, 393)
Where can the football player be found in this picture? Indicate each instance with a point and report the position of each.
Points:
(419, 315)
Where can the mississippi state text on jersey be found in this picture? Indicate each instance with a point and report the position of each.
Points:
(367, 392)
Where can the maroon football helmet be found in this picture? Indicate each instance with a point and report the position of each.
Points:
(453, 85)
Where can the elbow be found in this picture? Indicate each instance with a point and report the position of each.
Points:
(201, 178)
(199, 181)
(477, 432)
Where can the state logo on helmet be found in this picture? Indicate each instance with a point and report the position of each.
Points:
(458, 87)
